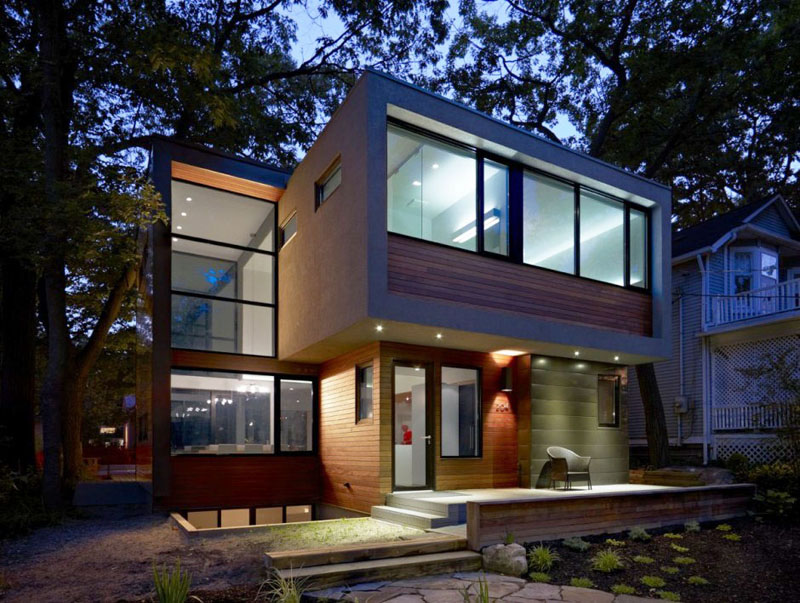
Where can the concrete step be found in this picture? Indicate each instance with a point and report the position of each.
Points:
(410, 517)
(364, 552)
(456, 512)
(323, 576)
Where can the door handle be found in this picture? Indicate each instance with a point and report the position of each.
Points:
(428, 439)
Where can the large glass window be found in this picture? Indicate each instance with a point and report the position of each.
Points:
(297, 415)
(495, 207)
(602, 228)
(223, 271)
(461, 412)
(431, 190)
(364, 392)
(548, 214)
(220, 413)
(638, 248)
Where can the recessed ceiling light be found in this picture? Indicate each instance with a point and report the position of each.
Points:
(174, 239)
(577, 353)
(435, 166)
(509, 352)
(616, 358)
(379, 328)
(179, 227)
(183, 213)
(438, 335)
(416, 368)
(189, 199)
(417, 183)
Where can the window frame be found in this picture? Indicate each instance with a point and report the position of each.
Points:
(277, 377)
(479, 391)
(273, 253)
(515, 212)
(617, 399)
(359, 370)
(319, 186)
(281, 231)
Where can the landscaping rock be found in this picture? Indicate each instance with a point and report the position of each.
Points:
(539, 590)
(585, 595)
(505, 559)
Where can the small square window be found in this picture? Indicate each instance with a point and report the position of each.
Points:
(608, 387)
(288, 230)
(328, 183)
(364, 388)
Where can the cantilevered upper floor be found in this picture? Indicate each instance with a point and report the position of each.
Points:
(418, 220)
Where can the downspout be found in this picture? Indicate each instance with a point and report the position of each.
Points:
(680, 366)
(704, 300)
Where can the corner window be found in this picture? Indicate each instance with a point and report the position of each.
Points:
(461, 412)
(328, 183)
(608, 394)
(288, 230)
(364, 389)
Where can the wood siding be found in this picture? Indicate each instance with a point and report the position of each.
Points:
(241, 481)
(580, 515)
(226, 182)
(421, 269)
(351, 452)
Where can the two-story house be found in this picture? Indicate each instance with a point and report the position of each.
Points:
(429, 300)
(735, 307)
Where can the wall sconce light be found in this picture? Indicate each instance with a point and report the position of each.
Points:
(506, 379)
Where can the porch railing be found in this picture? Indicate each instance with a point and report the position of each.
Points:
(724, 309)
(750, 416)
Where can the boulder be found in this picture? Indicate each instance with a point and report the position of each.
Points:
(509, 559)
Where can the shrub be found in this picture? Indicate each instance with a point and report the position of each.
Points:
(691, 526)
(668, 595)
(542, 558)
(539, 577)
(171, 586)
(581, 583)
(669, 569)
(281, 590)
(509, 538)
(724, 527)
(21, 503)
(576, 544)
(775, 504)
(732, 537)
(697, 581)
(738, 464)
(612, 542)
(638, 533)
(606, 561)
(623, 589)
(679, 548)
(775, 476)
(643, 559)
(653, 581)
(683, 560)
(672, 536)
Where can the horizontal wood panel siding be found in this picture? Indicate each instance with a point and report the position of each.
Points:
(233, 184)
(350, 452)
(497, 467)
(241, 481)
(562, 516)
(432, 271)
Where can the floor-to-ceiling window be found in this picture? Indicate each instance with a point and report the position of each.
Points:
(223, 271)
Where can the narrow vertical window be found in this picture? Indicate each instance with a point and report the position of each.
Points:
(608, 400)
(602, 231)
(288, 230)
(461, 412)
(364, 392)
(638, 248)
(297, 415)
(495, 207)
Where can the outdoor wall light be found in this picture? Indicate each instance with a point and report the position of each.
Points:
(616, 358)
(506, 379)
(379, 328)
(577, 352)
(438, 335)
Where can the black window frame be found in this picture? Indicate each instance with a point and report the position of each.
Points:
(515, 212)
(273, 253)
(282, 240)
(479, 392)
(276, 417)
(617, 399)
(360, 368)
(319, 186)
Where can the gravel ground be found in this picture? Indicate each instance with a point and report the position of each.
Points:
(111, 559)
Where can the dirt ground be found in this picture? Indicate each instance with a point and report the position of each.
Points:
(111, 560)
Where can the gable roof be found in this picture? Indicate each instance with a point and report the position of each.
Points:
(706, 234)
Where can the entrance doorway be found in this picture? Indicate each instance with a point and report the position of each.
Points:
(412, 442)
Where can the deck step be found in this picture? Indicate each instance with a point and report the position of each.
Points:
(456, 512)
(410, 517)
(323, 576)
(364, 552)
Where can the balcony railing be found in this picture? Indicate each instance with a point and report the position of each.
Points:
(753, 416)
(725, 309)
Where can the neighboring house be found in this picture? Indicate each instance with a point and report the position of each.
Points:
(429, 300)
(735, 304)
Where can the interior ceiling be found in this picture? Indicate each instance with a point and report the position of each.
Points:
(218, 215)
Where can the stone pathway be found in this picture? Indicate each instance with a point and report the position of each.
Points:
(449, 588)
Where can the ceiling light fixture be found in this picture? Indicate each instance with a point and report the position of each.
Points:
(417, 183)
(509, 352)
(616, 358)
(438, 335)
(189, 199)
(183, 213)
(179, 227)
(379, 328)
(577, 353)
(435, 166)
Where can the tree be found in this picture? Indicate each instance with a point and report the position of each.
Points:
(700, 94)
(105, 76)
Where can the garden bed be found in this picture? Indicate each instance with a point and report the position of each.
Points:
(760, 566)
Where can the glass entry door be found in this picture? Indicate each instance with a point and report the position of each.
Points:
(412, 438)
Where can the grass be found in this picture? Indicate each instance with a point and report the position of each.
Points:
(539, 577)
(171, 586)
(317, 534)
(724, 527)
(732, 537)
(542, 558)
(606, 561)
(678, 548)
(653, 581)
(643, 559)
(623, 589)
(639, 533)
(668, 595)
(576, 544)
(670, 569)
(698, 581)
(278, 589)
(673, 536)
(581, 583)
(612, 542)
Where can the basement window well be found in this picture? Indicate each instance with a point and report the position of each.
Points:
(244, 517)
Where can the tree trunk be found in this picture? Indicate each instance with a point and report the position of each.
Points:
(654, 421)
(18, 381)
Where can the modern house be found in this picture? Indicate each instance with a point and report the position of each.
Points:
(427, 302)
(735, 306)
